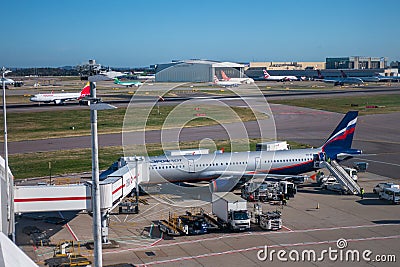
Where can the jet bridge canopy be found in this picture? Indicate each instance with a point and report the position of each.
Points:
(117, 186)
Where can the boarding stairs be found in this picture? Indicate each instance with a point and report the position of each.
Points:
(342, 177)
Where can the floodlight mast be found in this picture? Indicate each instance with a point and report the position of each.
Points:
(100, 231)
(95, 183)
(9, 178)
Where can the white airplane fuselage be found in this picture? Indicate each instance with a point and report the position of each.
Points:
(211, 166)
(56, 98)
(281, 78)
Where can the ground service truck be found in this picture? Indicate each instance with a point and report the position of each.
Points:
(231, 211)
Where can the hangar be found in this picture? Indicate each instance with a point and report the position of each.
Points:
(197, 70)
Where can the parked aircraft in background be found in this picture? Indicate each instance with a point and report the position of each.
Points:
(60, 98)
(229, 168)
(376, 78)
(127, 83)
(268, 77)
(388, 78)
(364, 79)
(240, 80)
(111, 73)
(7, 81)
(339, 81)
(225, 83)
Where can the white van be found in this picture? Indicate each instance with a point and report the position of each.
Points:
(391, 194)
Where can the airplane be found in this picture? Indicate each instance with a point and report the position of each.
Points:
(111, 73)
(127, 84)
(240, 80)
(224, 170)
(60, 98)
(268, 77)
(364, 79)
(388, 78)
(339, 81)
(225, 83)
(7, 81)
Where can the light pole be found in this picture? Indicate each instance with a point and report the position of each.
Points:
(9, 178)
(98, 217)
(98, 261)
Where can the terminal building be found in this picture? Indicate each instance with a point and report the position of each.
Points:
(356, 63)
(196, 70)
(288, 65)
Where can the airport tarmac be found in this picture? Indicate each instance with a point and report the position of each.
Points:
(366, 224)
(315, 219)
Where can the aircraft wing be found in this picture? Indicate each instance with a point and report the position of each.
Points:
(225, 181)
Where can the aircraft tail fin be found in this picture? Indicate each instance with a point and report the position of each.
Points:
(86, 90)
(339, 142)
(344, 75)
(224, 76)
(320, 76)
(266, 74)
(216, 79)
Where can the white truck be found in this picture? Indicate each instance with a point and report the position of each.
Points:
(270, 220)
(272, 146)
(231, 211)
(391, 194)
(352, 172)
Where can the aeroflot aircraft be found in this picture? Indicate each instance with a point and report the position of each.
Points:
(230, 167)
(60, 98)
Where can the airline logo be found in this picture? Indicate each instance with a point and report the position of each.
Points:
(266, 75)
(216, 79)
(342, 134)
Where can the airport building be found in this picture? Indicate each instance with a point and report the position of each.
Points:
(288, 65)
(196, 70)
(356, 62)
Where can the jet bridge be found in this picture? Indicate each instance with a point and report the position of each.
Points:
(342, 176)
(118, 185)
(113, 189)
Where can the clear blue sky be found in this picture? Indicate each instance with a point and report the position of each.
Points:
(139, 33)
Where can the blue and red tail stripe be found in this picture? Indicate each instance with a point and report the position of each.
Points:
(342, 137)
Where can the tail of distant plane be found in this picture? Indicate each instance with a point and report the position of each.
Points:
(266, 75)
(116, 80)
(224, 76)
(344, 75)
(320, 76)
(216, 79)
(85, 91)
(339, 142)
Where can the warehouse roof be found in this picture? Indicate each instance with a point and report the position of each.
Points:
(215, 64)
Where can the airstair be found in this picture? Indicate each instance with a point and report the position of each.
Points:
(342, 176)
